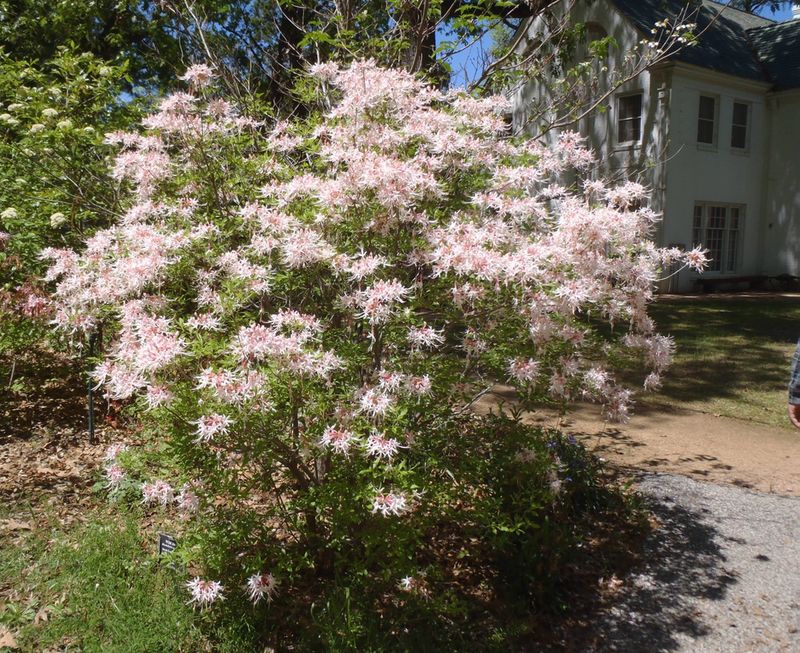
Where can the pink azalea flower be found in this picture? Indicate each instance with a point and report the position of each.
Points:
(596, 379)
(339, 440)
(419, 385)
(382, 447)
(188, 502)
(114, 475)
(198, 75)
(364, 265)
(260, 586)
(205, 592)
(205, 321)
(113, 451)
(211, 426)
(390, 381)
(379, 300)
(424, 337)
(524, 370)
(697, 259)
(157, 395)
(652, 382)
(157, 492)
(390, 504)
(375, 403)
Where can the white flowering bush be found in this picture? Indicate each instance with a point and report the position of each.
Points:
(54, 183)
(305, 312)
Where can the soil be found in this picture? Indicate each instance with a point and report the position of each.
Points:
(46, 460)
(666, 439)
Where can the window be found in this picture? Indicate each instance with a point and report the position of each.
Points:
(705, 119)
(629, 121)
(741, 113)
(718, 227)
(595, 32)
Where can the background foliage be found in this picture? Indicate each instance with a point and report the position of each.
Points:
(54, 183)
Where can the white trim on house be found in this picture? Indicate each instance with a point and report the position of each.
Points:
(714, 77)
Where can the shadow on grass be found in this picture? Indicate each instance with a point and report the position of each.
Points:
(726, 347)
(683, 562)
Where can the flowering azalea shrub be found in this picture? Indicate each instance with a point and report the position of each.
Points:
(306, 312)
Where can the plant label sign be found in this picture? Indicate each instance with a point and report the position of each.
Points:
(166, 544)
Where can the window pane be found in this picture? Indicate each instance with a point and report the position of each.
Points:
(630, 106)
(697, 226)
(739, 136)
(707, 107)
(734, 222)
(739, 113)
(705, 131)
(629, 130)
(720, 228)
(595, 32)
(630, 118)
(716, 217)
(698, 216)
(733, 248)
(705, 120)
(715, 236)
(713, 243)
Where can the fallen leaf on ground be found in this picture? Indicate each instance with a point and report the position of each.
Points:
(7, 639)
(41, 616)
(14, 525)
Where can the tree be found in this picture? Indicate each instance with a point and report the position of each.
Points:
(132, 31)
(258, 46)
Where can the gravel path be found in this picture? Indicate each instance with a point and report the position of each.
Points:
(722, 574)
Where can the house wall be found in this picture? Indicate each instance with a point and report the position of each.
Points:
(681, 172)
(781, 231)
(645, 161)
(599, 126)
(716, 174)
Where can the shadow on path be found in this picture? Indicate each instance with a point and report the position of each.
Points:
(683, 563)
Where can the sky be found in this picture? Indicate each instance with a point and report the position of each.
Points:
(467, 63)
(785, 13)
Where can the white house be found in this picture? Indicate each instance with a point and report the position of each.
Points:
(714, 131)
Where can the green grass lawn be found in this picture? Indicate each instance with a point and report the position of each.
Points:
(733, 355)
(98, 588)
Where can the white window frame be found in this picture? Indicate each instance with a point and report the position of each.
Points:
(714, 121)
(619, 118)
(746, 125)
(719, 227)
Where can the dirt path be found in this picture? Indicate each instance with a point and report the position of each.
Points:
(698, 445)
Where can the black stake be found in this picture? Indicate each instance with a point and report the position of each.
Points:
(92, 337)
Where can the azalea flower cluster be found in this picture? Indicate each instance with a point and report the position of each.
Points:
(205, 592)
(114, 471)
(294, 303)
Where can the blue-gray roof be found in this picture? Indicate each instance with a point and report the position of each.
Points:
(729, 41)
(778, 49)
